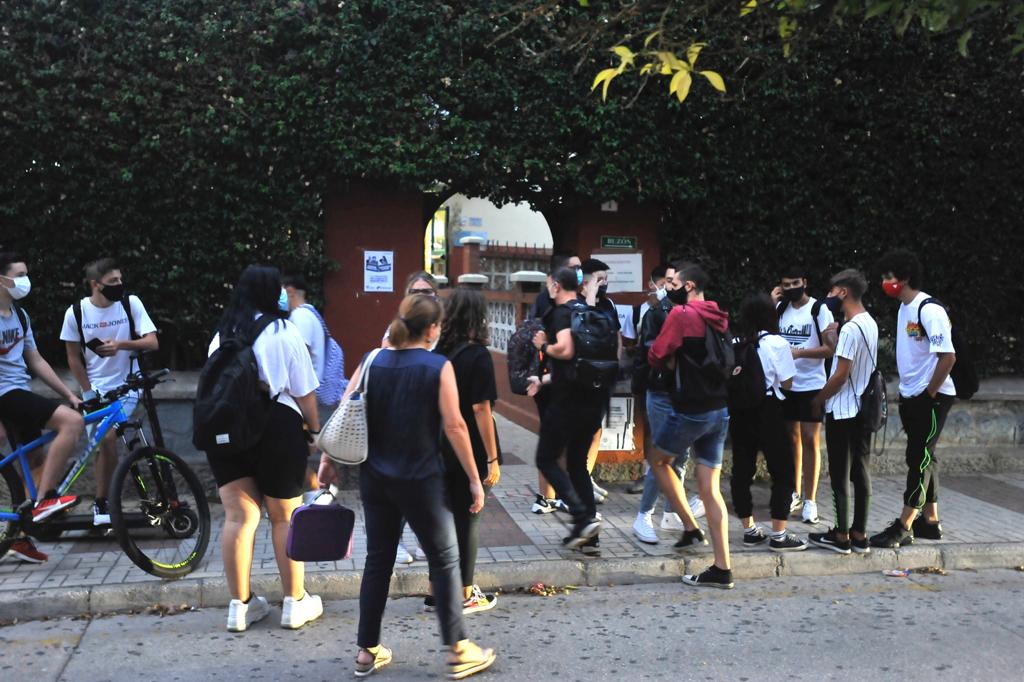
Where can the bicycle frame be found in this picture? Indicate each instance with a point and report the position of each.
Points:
(111, 416)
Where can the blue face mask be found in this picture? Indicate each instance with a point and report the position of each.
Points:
(282, 301)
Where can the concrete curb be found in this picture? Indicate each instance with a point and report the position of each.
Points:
(213, 592)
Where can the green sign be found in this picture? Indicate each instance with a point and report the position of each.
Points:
(608, 242)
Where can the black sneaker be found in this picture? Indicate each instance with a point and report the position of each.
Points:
(830, 540)
(754, 536)
(925, 530)
(860, 546)
(893, 537)
(636, 487)
(713, 576)
(429, 603)
(592, 547)
(581, 532)
(100, 512)
(788, 543)
(691, 538)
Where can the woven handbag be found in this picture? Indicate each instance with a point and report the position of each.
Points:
(344, 438)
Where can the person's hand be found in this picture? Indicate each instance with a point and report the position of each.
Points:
(493, 474)
(476, 489)
(931, 393)
(327, 474)
(539, 339)
(74, 400)
(797, 352)
(534, 387)
(776, 295)
(108, 349)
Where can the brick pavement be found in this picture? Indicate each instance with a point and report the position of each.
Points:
(510, 533)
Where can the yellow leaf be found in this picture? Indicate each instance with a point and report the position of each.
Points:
(625, 54)
(787, 49)
(716, 80)
(682, 87)
(693, 51)
(605, 77)
(647, 68)
(787, 27)
(671, 60)
(648, 39)
(748, 8)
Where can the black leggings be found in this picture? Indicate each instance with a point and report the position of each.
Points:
(569, 424)
(761, 429)
(849, 456)
(923, 418)
(467, 524)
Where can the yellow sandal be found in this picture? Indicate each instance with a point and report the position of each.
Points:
(381, 657)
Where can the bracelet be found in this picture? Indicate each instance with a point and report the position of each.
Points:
(543, 348)
(315, 433)
(492, 461)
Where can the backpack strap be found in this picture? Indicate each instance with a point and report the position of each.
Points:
(457, 351)
(127, 305)
(262, 323)
(76, 309)
(22, 318)
(815, 311)
(930, 299)
(781, 307)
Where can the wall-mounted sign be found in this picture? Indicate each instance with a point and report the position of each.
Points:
(610, 242)
(625, 271)
(379, 271)
(610, 207)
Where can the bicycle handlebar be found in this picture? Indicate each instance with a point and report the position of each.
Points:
(133, 382)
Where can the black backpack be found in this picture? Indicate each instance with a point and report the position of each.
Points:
(596, 342)
(705, 381)
(747, 382)
(232, 405)
(523, 358)
(964, 374)
(874, 401)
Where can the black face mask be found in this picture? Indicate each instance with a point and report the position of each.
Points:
(113, 292)
(602, 291)
(793, 295)
(834, 304)
(677, 296)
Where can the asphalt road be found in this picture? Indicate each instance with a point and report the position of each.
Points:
(962, 626)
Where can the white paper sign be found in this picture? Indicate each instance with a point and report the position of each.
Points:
(379, 271)
(617, 429)
(625, 271)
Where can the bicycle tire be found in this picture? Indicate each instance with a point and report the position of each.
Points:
(162, 533)
(12, 495)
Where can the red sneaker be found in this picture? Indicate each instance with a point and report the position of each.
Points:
(49, 506)
(23, 549)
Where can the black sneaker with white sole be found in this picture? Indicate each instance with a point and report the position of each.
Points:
(713, 576)
(861, 546)
(691, 538)
(787, 543)
(926, 531)
(581, 532)
(831, 541)
(754, 536)
(893, 537)
(592, 547)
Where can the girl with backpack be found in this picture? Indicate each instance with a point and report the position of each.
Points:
(762, 426)
(411, 394)
(272, 472)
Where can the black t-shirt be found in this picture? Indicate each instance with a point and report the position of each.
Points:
(541, 305)
(562, 386)
(474, 375)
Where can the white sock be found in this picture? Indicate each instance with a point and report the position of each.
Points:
(778, 535)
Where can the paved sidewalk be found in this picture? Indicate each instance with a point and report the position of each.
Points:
(983, 520)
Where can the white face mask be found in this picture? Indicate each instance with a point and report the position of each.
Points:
(21, 287)
(660, 293)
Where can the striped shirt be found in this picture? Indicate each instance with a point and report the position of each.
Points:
(858, 343)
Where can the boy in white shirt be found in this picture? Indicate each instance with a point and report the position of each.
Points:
(924, 357)
(847, 437)
(99, 349)
(801, 321)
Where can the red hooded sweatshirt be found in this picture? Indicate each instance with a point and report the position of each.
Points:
(684, 328)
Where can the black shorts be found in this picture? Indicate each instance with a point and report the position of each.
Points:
(24, 415)
(797, 407)
(277, 462)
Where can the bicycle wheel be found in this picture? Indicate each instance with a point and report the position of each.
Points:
(12, 495)
(159, 512)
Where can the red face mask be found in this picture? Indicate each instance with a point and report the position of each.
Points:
(892, 289)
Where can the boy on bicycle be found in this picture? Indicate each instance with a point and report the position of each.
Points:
(97, 333)
(26, 413)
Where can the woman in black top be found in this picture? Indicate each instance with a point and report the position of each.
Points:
(411, 393)
(464, 338)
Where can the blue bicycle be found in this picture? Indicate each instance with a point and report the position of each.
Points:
(158, 509)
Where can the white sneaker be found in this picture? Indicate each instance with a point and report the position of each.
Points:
(598, 490)
(242, 615)
(696, 506)
(671, 521)
(810, 513)
(418, 554)
(643, 529)
(559, 505)
(598, 497)
(795, 504)
(297, 612)
(403, 557)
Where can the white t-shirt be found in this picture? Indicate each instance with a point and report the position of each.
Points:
(625, 313)
(915, 355)
(776, 360)
(797, 327)
(863, 358)
(284, 362)
(312, 333)
(106, 324)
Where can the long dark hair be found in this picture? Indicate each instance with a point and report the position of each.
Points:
(257, 291)
(415, 315)
(465, 319)
(757, 313)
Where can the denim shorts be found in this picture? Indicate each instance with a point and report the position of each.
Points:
(673, 432)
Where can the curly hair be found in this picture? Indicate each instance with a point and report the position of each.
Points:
(465, 320)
